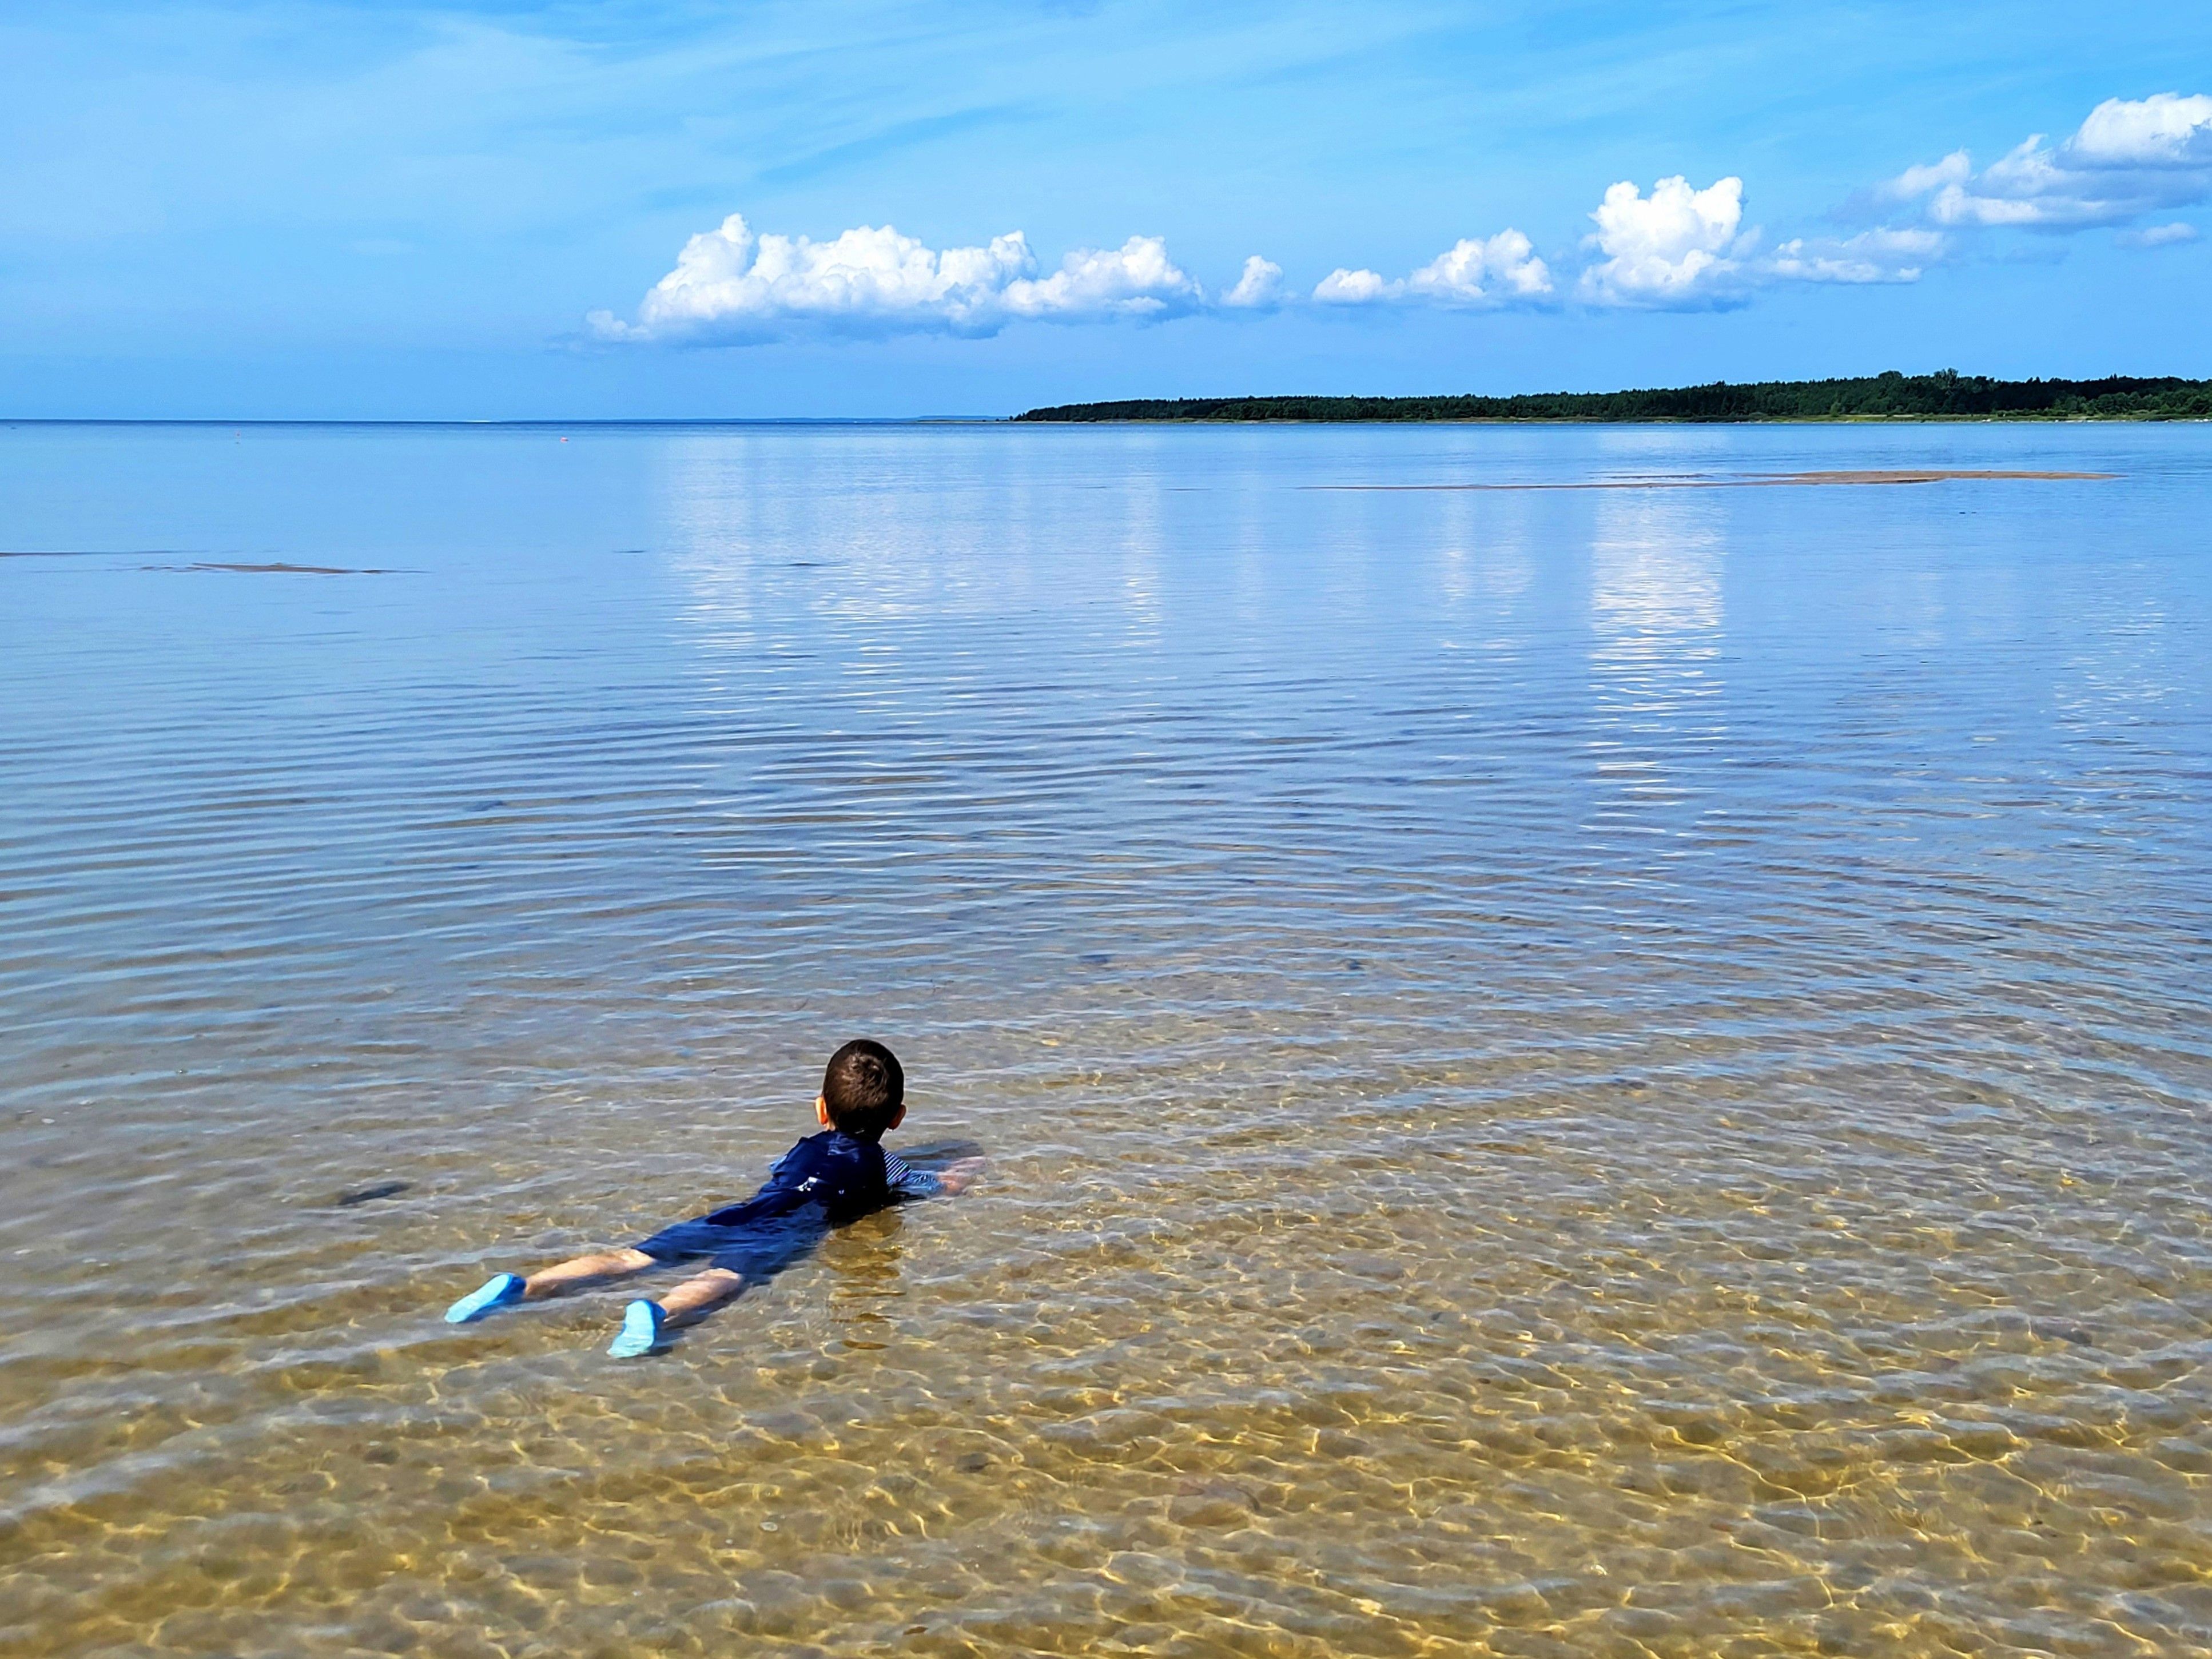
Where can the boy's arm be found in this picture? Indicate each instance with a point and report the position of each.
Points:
(954, 1179)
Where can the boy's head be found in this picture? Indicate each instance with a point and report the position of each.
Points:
(863, 1090)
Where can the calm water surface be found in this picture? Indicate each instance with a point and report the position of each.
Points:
(1607, 1072)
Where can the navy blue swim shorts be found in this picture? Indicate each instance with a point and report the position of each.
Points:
(757, 1249)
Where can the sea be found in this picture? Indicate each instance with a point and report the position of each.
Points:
(1583, 1046)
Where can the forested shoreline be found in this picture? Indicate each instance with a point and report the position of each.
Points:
(1946, 396)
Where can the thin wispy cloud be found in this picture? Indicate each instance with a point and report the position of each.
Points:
(1885, 255)
(2172, 235)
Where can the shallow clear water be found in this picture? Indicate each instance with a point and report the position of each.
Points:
(1582, 1071)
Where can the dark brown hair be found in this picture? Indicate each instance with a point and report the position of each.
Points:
(864, 1087)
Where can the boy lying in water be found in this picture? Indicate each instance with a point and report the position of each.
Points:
(824, 1181)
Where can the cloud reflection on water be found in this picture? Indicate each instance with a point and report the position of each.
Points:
(1656, 612)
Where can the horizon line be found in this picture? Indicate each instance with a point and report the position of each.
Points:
(517, 420)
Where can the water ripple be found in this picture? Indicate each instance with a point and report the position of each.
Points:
(1580, 1072)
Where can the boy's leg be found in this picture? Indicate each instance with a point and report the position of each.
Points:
(583, 1269)
(643, 1323)
(701, 1294)
(505, 1290)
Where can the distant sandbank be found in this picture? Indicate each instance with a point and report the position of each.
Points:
(1754, 481)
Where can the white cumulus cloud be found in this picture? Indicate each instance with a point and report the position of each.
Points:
(1477, 272)
(1675, 247)
(2164, 130)
(1136, 279)
(1502, 270)
(2129, 158)
(1354, 287)
(2129, 164)
(732, 286)
(1259, 287)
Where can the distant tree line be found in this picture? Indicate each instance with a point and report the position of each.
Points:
(1946, 395)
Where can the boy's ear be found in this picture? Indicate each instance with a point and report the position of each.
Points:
(821, 1110)
(900, 1118)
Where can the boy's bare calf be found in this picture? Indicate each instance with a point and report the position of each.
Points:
(701, 1294)
(590, 1269)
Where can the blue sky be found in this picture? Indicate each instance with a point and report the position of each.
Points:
(515, 210)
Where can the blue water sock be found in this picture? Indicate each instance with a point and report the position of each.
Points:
(500, 1291)
(640, 1330)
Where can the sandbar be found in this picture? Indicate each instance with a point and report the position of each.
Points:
(1754, 481)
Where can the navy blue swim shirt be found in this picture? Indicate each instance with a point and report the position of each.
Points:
(824, 1181)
